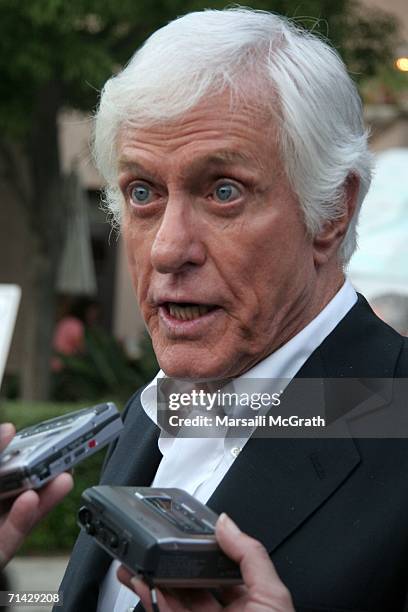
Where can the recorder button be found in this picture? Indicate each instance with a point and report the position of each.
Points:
(124, 546)
(113, 541)
(90, 529)
(84, 515)
(45, 472)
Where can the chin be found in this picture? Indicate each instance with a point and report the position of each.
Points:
(189, 366)
(186, 371)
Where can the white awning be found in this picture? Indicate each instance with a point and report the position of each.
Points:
(76, 274)
(380, 265)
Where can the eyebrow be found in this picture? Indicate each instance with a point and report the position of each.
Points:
(224, 157)
(125, 163)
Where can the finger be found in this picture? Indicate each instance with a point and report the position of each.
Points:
(232, 594)
(198, 600)
(53, 493)
(138, 585)
(176, 600)
(258, 571)
(7, 433)
(243, 549)
(25, 512)
(17, 524)
(49, 496)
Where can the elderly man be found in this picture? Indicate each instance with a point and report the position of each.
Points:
(236, 162)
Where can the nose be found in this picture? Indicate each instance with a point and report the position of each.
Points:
(178, 244)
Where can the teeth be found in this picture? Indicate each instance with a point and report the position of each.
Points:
(187, 313)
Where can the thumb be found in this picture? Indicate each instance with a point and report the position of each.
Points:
(251, 556)
(7, 432)
(17, 524)
(257, 569)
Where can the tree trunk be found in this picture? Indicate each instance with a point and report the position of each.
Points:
(46, 219)
(39, 326)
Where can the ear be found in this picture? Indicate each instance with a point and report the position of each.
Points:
(327, 242)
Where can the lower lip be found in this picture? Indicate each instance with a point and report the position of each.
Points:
(178, 328)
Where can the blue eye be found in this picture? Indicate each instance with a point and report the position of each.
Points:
(226, 192)
(140, 194)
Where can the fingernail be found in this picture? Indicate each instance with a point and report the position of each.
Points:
(6, 430)
(229, 524)
(135, 581)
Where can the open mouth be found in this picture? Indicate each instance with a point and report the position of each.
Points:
(187, 311)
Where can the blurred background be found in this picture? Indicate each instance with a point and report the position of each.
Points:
(79, 337)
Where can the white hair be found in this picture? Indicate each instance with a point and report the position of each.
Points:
(298, 76)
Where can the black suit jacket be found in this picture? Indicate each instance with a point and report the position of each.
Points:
(332, 513)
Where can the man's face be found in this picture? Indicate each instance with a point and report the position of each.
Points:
(220, 259)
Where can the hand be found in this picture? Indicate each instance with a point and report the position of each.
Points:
(20, 515)
(263, 591)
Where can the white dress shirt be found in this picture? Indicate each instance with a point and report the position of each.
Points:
(198, 465)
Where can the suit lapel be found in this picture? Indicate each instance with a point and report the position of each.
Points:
(276, 484)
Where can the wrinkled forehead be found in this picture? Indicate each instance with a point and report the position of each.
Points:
(221, 127)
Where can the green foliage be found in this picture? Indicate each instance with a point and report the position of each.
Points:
(385, 86)
(56, 533)
(75, 45)
(78, 44)
(103, 370)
